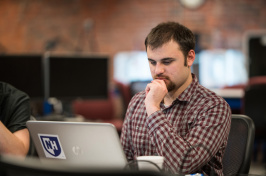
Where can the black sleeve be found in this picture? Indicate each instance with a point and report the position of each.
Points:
(15, 108)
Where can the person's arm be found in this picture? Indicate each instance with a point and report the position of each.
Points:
(208, 132)
(16, 143)
(15, 112)
(204, 139)
(125, 138)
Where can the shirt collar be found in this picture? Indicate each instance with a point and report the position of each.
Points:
(190, 90)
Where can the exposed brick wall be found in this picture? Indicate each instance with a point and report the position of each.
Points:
(110, 26)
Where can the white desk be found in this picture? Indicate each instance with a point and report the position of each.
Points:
(229, 93)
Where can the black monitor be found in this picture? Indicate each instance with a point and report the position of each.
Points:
(256, 52)
(23, 72)
(73, 77)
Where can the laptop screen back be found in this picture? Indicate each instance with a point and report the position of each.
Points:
(78, 143)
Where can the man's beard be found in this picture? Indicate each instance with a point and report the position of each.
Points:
(170, 86)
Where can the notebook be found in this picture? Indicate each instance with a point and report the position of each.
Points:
(94, 145)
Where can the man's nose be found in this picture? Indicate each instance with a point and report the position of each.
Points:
(159, 69)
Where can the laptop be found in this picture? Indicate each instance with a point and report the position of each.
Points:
(93, 145)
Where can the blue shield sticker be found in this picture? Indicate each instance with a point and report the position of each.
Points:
(51, 146)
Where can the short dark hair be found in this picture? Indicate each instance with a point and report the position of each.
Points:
(164, 32)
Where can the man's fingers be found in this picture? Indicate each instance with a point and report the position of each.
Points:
(147, 89)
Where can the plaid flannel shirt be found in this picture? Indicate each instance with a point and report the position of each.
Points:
(191, 133)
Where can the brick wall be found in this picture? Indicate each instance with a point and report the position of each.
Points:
(110, 26)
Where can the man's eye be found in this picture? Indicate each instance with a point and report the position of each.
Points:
(167, 62)
(153, 62)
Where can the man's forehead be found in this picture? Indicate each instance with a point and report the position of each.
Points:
(166, 44)
(163, 52)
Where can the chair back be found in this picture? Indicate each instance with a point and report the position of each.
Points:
(254, 104)
(237, 157)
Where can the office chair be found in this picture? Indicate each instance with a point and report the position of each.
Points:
(254, 106)
(237, 157)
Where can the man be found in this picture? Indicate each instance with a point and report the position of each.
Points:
(175, 116)
(14, 112)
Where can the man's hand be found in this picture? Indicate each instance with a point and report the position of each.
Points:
(155, 92)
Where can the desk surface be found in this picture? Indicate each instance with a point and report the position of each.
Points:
(229, 93)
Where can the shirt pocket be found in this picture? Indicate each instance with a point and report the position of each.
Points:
(184, 127)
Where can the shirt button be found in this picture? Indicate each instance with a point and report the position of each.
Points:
(137, 127)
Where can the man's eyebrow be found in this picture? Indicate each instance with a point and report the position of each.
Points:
(163, 59)
(167, 59)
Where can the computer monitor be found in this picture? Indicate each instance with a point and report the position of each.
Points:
(131, 66)
(221, 68)
(255, 48)
(23, 72)
(73, 77)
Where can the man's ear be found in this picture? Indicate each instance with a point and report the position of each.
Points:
(190, 58)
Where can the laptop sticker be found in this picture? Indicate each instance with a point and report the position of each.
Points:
(51, 146)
